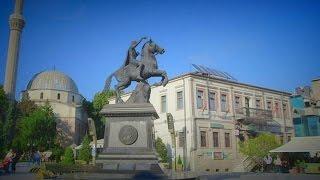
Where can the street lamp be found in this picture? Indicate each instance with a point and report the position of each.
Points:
(173, 137)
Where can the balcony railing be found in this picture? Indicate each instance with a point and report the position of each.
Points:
(253, 113)
(257, 119)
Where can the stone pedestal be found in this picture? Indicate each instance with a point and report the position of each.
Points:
(129, 138)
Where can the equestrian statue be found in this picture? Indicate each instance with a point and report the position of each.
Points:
(139, 71)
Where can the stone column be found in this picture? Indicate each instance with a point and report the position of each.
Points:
(16, 23)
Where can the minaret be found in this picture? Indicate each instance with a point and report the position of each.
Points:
(16, 23)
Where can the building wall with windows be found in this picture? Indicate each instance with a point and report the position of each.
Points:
(306, 110)
(62, 94)
(204, 111)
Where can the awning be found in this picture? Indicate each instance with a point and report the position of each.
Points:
(301, 144)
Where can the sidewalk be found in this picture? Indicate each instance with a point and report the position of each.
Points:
(21, 173)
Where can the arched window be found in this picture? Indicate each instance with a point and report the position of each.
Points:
(58, 96)
(72, 98)
(41, 95)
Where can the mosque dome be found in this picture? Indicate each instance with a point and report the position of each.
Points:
(53, 80)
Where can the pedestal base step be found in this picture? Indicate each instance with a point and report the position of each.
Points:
(131, 167)
(114, 175)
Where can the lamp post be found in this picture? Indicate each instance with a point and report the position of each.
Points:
(173, 137)
(93, 133)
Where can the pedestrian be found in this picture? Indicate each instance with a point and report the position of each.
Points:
(277, 163)
(7, 163)
(15, 158)
(285, 166)
(37, 157)
(268, 162)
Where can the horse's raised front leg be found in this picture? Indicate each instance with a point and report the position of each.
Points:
(163, 74)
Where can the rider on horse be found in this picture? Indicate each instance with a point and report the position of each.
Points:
(132, 57)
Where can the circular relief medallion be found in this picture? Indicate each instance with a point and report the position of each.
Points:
(128, 135)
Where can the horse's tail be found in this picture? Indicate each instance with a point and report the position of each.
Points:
(108, 82)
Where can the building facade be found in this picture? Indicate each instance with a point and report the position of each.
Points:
(306, 110)
(208, 115)
(61, 92)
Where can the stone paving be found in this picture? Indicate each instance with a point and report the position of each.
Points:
(23, 174)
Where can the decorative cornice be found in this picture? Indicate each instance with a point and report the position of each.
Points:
(127, 110)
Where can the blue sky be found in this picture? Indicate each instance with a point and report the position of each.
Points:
(272, 43)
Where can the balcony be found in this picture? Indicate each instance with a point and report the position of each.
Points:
(255, 119)
(250, 115)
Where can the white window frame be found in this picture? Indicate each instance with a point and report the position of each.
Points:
(182, 100)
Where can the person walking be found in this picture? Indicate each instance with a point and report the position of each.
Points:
(37, 157)
(268, 162)
(285, 166)
(277, 163)
(7, 163)
(15, 158)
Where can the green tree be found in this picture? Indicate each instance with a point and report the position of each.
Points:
(93, 109)
(37, 130)
(257, 148)
(85, 151)
(9, 124)
(11, 113)
(162, 150)
(26, 106)
(101, 98)
(57, 152)
(4, 104)
(68, 157)
(8, 119)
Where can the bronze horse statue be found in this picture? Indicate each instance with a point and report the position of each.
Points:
(149, 68)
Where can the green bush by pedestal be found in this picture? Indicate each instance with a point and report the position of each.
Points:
(68, 157)
(85, 151)
(162, 150)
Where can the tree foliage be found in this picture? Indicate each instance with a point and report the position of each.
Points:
(37, 130)
(57, 152)
(68, 157)
(9, 126)
(85, 151)
(101, 98)
(260, 146)
(4, 104)
(8, 118)
(26, 106)
(24, 124)
(162, 150)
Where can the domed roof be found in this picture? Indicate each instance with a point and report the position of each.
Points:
(52, 80)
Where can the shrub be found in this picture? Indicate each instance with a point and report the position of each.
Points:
(57, 152)
(179, 160)
(162, 150)
(68, 158)
(85, 151)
